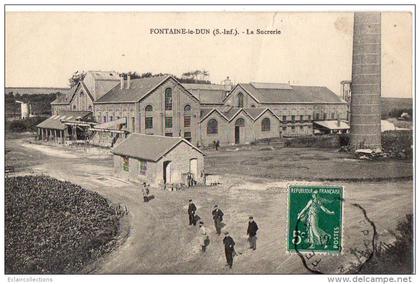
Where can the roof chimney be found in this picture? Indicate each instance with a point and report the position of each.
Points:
(128, 81)
(122, 81)
(228, 84)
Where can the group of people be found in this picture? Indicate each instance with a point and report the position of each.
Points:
(228, 241)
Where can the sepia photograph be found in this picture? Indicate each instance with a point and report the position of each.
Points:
(209, 141)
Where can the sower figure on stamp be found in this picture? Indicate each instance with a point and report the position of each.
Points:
(191, 212)
(252, 233)
(204, 238)
(218, 218)
(229, 249)
(310, 216)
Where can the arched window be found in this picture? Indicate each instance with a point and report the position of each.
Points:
(265, 124)
(240, 122)
(74, 107)
(148, 108)
(90, 108)
(168, 99)
(240, 100)
(187, 108)
(212, 126)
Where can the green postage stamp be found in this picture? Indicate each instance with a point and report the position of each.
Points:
(315, 215)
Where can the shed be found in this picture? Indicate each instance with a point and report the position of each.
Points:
(158, 159)
(332, 126)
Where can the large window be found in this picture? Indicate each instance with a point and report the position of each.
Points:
(212, 126)
(187, 121)
(168, 122)
(125, 164)
(301, 118)
(265, 124)
(293, 118)
(284, 118)
(148, 122)
(143, 167)
(332, 115)
(148, 108)
(168, 99)
(240, 100)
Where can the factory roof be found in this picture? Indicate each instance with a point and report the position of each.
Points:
(55, 121)
(333, 124)
(149, 147)
(207, 93)
(267, 93)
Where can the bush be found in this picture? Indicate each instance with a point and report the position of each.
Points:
(55, 227)
(322, 141)
(344, 139)
(396, 258)
(398, 144)
(24, 125)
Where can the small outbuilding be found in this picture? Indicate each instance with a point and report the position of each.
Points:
(158, 160)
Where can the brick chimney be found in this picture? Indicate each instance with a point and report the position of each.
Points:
(365, 118)
(128, 81)
(122, 81)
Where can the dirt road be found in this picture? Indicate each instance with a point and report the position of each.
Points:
(160, 240)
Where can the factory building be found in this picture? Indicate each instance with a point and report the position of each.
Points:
(199, 113)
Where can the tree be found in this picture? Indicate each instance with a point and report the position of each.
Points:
(76, 78)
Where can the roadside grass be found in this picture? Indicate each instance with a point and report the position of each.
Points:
(304, 164)
(394, 258)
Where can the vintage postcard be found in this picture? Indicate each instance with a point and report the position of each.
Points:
(209, 142)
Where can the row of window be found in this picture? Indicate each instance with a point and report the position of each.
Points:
(149, 108)
(212, 125)
(142, 165)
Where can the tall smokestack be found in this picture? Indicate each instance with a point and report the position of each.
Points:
(365, 127)
(122, 81)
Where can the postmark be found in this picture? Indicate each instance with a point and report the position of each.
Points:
(315, 219)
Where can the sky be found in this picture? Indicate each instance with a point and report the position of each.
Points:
(43, 49)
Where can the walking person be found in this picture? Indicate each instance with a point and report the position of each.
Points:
(191, 212)
(204, 238)
(252, 233)
(146, 192)
(229, 249)
(218, 218)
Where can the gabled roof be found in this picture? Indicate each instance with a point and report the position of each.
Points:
(232, 112)
(207, 93)
(268, 93)
(256, 113)
(54, 122)
(149, 147)
(139, 89)
(66, 98)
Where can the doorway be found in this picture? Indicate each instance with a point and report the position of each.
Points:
(194, 168)
(240, 122)
(167, 172)
(237, 134)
